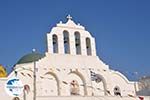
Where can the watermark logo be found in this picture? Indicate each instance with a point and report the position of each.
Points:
(14, 87)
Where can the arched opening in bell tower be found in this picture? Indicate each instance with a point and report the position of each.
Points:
(88, 46)
(77, 43)
(66, 42)
(55, 43)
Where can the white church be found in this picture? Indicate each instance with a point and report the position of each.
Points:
(69, 70)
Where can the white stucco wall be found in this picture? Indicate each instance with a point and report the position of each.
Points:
(56, 71)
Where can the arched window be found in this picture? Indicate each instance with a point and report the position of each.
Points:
(16, 98)
(88, 46)
(74, 88)
(77, 84)
(26, 91)
(66, 42)
(77, 43)
(55, 44)
(117, 91)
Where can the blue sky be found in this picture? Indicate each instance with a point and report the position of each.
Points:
(121, 29)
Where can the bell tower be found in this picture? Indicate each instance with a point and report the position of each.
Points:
(70, 38)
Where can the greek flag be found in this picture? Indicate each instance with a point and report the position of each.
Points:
(93, 76)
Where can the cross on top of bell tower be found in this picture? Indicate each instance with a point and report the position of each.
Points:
(69, 17)
(70, 23)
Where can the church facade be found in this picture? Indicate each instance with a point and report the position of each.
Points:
(69, 69)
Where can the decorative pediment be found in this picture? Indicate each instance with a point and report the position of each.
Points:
(70, 24)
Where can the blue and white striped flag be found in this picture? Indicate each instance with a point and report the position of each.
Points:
(93, 75)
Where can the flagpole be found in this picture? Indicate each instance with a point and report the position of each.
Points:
(34, 78)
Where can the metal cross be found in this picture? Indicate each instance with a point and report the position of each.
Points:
(69, 17)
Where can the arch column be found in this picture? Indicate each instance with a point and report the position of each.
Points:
(49, 43)
(60, 43)
(83, 45)
(72, 43)
(93, 47)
